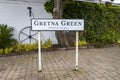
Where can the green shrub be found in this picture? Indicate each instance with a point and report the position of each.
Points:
(6, 36)
(34, 46)
(99, 44)
(47, 44)
(82, 43)
(118, 41)
(102, 23)
(19, 47)
(50, 6)
(27, 47)
(1, 51)
(7, 50)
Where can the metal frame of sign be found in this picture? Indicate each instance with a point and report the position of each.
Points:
(76, 23)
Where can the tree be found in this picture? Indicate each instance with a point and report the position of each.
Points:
(57, 14)
(112, 0)
(56, 7)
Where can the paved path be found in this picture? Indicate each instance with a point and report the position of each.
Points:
(94, 64)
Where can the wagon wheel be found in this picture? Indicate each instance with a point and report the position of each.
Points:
(26, 35)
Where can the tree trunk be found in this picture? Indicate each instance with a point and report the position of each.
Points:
(57, 14)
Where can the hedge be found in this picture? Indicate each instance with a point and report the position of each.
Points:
(102, 23)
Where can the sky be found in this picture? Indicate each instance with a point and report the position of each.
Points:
(115, 1)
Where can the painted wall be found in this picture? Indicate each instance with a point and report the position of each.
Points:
(15, 13)
(93, 1)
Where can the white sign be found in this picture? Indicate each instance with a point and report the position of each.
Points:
(57, 24)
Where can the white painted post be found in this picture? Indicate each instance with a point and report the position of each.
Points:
(76, 56)
(39, 53)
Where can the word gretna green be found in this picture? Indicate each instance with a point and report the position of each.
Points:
(55, 23)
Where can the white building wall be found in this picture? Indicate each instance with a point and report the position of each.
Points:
(15, 13)
(93, 1)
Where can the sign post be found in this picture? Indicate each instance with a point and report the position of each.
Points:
(57, 25)
(39, 53)
(76, 57)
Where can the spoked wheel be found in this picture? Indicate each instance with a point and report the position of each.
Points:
(26, 35)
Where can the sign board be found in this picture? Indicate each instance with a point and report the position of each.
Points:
(57, 24)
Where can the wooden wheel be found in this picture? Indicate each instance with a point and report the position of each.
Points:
(26, 35)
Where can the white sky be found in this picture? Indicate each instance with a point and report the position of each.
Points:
(115, 1)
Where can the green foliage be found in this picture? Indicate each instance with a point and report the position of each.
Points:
(30, 47)
(118, 41)
(7, 42)
(26, 47)
(8, 50)
(108, 3)
(6, 36)
(19, 47)
(34, 46)
(49, 5)
(47, 44)
(102, 24)
(82, 43)
(1, 51)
